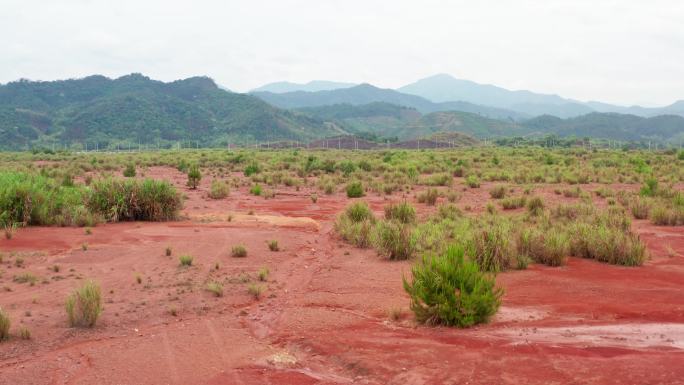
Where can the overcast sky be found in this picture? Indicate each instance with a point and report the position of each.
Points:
(626, 51)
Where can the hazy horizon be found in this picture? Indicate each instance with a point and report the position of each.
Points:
(622, 52)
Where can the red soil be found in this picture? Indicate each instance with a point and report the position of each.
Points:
(323, 317)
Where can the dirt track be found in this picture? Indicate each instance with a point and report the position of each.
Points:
(323, 317)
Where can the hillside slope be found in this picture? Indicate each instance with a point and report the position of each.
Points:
(134, 109)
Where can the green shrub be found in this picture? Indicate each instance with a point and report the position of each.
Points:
(194, 176)
(402, 212)
(84, 305)
(5, 324)
(238, 251)
(355, 190)
(255, 190)
(251, 169)
(355, 232)
(129, 171)
(449, 211)
(185, 260)
(550, 247)
(263, 274)
(451, 290)
(663, 215)
(650, 187)
(472, 181)
(219, 189)
(273, 245)
(394, 240)
(359, 211)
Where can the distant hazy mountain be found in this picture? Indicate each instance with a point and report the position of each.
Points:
(443, 88)
(366, 93)
(676, 108)
(614, 126)
(312, 86)
(389, 120)
(135, 108)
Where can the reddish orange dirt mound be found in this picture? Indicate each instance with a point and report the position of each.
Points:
(323, 315)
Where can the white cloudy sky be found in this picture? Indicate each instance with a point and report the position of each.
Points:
(621, 51)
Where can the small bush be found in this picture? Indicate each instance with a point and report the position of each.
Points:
(355, 190)
(185, 260)
(168, 251)
(129, 171)
(359, 212)
(472, 181)
(5, 324)
(394, 240)
(251, 169)
(255, 190)
(402, 212)
(194, 176)
(491, 246)
(451, 290)
(149, 200)
(238, 251)
(219, 189)
(84, 305)
(215, 288)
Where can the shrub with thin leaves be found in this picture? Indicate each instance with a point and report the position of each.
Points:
(402, 212)
(450, 290)
(84, 305)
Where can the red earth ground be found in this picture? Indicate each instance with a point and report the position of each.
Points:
(323, 317)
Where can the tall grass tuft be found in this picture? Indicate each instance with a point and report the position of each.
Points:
(84, 305)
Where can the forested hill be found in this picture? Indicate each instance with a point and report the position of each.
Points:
(135, 108)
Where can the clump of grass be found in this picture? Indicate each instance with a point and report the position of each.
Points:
(355, 190)
(219, 189)
(147, 200)
(402, 212)
(535, 206)
(255, 290)
(550, 247)
(238, 251)
(138, 278)
(168, 251)
(185, 260)
(472, 181)
(5, 324)
(428, 197)
(10, 228)
(24, 333)
(84, 305)
(84, 246)
(394, 240)
(27, 277)
(355, 224)
(491, 245)
(314, 198)
(273, 245)
(263, 273)
(640, 207)
(498, 192)
(450, 290)
(512, 203)
(395, 313)
(215, 288)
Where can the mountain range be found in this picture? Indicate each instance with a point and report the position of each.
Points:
(445, 92)
(132, 109)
